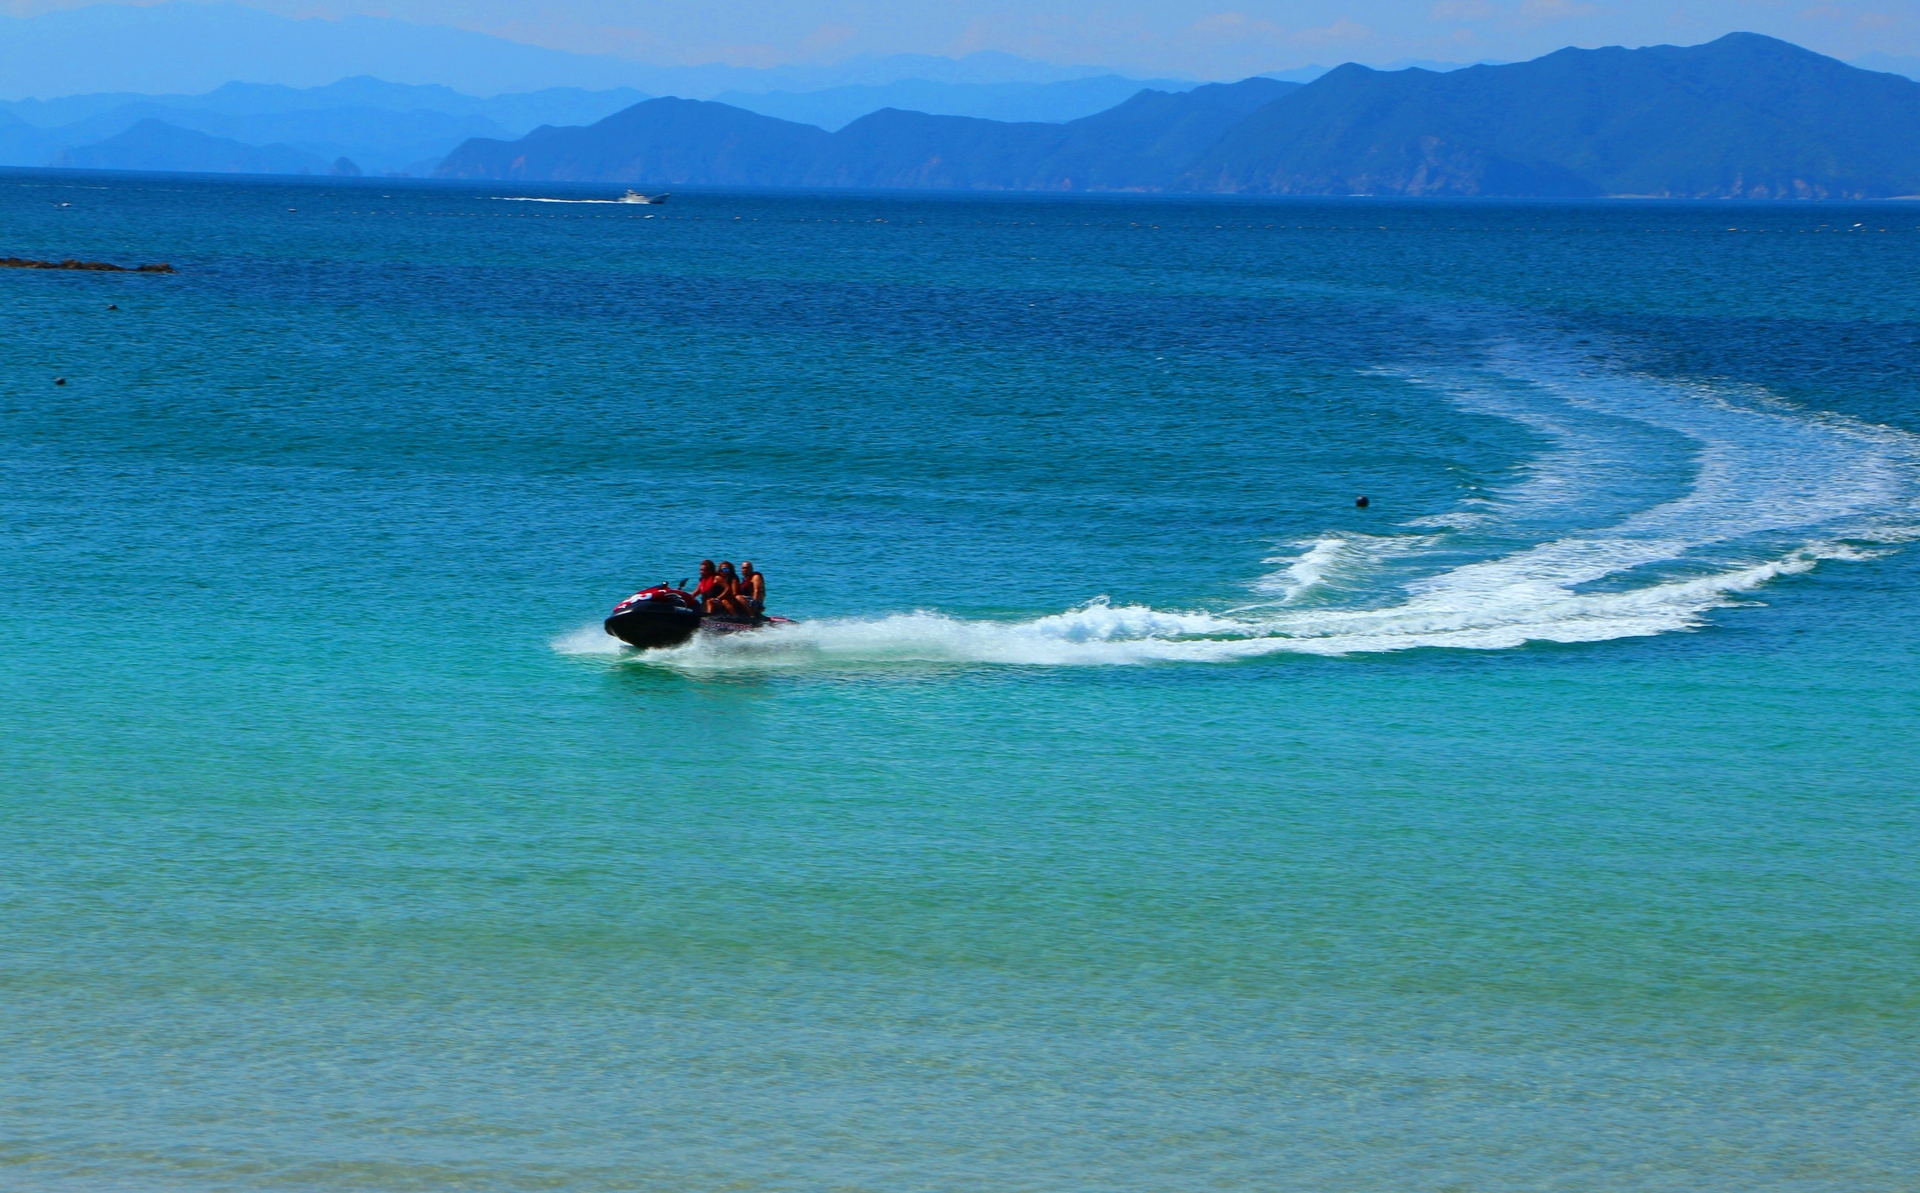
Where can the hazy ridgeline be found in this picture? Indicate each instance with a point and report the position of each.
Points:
(1744, 116)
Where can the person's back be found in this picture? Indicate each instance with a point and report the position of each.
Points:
(753, 586)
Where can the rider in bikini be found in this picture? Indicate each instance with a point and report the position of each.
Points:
(728, 599)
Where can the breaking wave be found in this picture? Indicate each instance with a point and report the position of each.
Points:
(1650, 504)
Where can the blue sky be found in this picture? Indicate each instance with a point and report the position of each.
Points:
(1187, 38)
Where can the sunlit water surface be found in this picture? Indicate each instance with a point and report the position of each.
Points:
(1127, 810)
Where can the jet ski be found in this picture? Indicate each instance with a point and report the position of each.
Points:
(667, 616)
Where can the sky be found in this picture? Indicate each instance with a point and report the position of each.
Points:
(1202, 39)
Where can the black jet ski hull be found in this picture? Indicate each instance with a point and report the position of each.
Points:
(652, 625)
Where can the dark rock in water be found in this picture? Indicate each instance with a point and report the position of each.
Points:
(71, 263)
(344, 168)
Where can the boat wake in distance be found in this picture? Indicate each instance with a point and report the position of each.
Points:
(629, 197)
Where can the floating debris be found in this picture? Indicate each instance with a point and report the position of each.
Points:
(70, 263)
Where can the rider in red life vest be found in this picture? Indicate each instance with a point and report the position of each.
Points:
(710, 583)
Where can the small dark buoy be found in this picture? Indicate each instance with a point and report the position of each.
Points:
(113, 306)
(1361, 503)
(59, 380)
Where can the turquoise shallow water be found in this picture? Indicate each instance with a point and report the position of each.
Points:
(1128, 811)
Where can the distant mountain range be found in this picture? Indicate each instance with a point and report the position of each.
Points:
(1744, 116)
(517, 113)
(1069, 99)
(155, 145)
(180, 48)
(408, 128)
(1145, 143)
(382, 127)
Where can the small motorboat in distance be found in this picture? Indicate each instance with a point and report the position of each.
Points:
(668, 616)
(637, 197)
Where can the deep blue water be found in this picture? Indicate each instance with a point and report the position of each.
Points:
(1128, 810)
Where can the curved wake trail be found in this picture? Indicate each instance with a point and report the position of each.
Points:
(1755, 489)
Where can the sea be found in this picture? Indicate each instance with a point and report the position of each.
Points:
(1126, 808)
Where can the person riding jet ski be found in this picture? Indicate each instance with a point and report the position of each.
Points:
(669, 615)
(710, 584)
(726, 597)
(753, 587)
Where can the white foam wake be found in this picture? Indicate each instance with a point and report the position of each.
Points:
(530, 199)
(1327, 565)
(1753, 490)
(1110, 635)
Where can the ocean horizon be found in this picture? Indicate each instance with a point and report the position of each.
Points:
(1125, 808)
